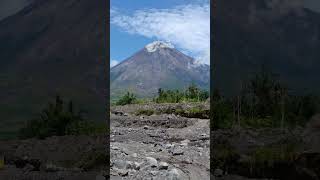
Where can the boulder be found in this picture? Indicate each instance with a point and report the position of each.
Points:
(177, 151)
(163, 165)
(174, 174)
(152, 161)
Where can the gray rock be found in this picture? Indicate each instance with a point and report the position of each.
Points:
(188, 160)
(171, 116)
(118, 113)
(185, 142)
(152, 161)
(121, 172)
(136, 165)
(163, 165)
(132, 172)
(174, 174)
(177, 151)
(120, 164)
(129, 165)
(169, 146)
(115, 148)
(154, 173)
(134, 155)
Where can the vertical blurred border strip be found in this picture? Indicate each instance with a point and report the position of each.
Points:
(213, 13)
(1, 161)
(107, 79)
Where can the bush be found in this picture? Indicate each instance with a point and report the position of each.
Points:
(192, 94)
(169, 96)
(85, 128)
(194, 112)
(197, 112)
(147, 112)
(56, 120)
(128, 98)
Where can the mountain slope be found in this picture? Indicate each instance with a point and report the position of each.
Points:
(10, 7)
(282, 35)
(158, 65)
(51, 47)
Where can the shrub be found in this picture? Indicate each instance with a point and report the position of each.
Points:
(147, 112)
(197, 112)
(128, 98)
(192, 94)
(169, 96)
(56, 120)
(85, 128)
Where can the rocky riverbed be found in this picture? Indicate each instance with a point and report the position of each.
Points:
(55, 158)
(160, 145)
(271, 153)
(168, 142)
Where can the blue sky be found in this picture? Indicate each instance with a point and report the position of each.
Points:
(184, 23)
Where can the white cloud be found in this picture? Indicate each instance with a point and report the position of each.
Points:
(113, 63)
(187, 27)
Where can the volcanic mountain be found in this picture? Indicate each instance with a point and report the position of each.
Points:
(281, 35)
(157, 65)
(52, 47)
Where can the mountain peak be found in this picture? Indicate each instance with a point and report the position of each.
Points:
(154, 46)
(158, 65)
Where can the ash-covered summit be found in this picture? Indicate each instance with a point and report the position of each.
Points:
(154, 46)
(157, 65)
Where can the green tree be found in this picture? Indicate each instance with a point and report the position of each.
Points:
(193, 91)
(128, 98)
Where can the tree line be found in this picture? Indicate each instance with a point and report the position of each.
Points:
(192, 94)
(263, 101)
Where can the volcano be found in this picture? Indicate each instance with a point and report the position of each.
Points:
(157, 65)
(52, 47)
(281, 35)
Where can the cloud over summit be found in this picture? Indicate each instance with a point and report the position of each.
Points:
(187, 27)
